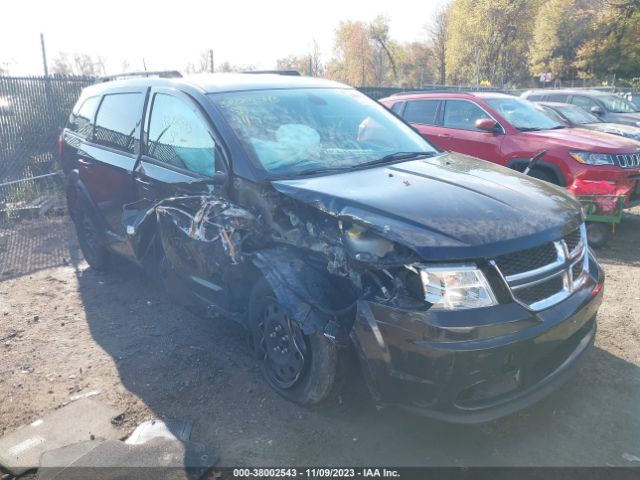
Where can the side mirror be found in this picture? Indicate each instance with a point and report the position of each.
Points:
(596, 110)
(487, 125)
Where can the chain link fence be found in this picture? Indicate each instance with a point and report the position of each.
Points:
(33, 110)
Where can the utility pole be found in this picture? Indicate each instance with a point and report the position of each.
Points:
(44, 56)
(211, 60)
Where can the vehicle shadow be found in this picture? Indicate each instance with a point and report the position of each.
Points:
(623, 249)
(179, 365)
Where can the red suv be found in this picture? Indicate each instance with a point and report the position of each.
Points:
(509, 130)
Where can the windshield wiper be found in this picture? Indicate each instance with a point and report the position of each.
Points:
(557, 127)
(387, 158)
(395, 156)
(529, 129)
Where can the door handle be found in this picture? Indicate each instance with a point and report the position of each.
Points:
(84, 162)
(444, 135)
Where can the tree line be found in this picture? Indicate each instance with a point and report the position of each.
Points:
(502, 43)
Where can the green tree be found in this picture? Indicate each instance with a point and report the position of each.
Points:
(488, 40)
(614, 46)
(561, 28)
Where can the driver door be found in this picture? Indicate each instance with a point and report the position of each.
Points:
(179, 147)
(460, 134)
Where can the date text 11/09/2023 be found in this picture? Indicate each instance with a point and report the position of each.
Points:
(322, 472)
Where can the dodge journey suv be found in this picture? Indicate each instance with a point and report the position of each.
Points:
(322, 223)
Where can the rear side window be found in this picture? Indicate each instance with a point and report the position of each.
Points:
(557, 97)
(397, 107)
(421, 111)
(534, 98)
(81, 119)
(583, 102)
(462, 115)
(179, 137)
(118, 121)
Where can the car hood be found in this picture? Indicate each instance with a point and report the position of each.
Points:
(583, 139)
(448, 207)
(615, 128)
(626, 118)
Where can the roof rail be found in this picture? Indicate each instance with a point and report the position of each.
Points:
(291, 73)
(145, 74)
(442, 90)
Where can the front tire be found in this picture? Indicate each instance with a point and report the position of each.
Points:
(302, 368)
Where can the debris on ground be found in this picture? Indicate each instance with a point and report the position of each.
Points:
(79, 421)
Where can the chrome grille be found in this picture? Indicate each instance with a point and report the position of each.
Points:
(526, 260)
(629, 160)
(541, 277)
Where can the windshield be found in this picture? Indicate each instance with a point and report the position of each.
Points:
(294, 131)
(617, 104)
(552, 113)
(578, 115)
(522, 114)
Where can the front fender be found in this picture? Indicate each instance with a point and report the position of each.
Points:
(312, 297)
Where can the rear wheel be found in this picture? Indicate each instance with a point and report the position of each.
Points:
(94, 252)
(302, 368)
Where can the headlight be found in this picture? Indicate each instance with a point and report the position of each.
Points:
(456, 287)
(591, 158)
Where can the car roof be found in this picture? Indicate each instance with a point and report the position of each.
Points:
(444, 94)
(221, 82)
(568, 91)
(558, 104)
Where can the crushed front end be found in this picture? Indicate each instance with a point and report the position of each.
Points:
(473, 365)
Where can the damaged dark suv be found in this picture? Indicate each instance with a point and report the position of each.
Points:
(321, 222)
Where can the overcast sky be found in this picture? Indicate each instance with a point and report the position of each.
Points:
(170, 34)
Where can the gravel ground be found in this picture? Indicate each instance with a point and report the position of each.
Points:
(67, 330)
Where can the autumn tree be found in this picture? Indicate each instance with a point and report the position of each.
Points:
(415, 65)
(561, 28)
(614, 43)
(353, 54)
(489, 39)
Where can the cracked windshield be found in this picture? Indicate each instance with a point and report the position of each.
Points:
(292, 132)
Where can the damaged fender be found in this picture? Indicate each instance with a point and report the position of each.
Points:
(310, 296)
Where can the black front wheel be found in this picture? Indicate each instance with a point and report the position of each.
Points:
(302, 368)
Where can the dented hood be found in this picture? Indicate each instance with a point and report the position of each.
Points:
(448, 207)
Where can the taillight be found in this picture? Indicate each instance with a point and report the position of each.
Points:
(59, 145)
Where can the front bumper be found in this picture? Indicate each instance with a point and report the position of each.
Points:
(476, 365)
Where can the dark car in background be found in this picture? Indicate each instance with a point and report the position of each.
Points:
(509, 130)
(574, 116)
(322, 223)
(606, 106)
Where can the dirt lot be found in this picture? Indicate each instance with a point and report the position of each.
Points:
(67, 330)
